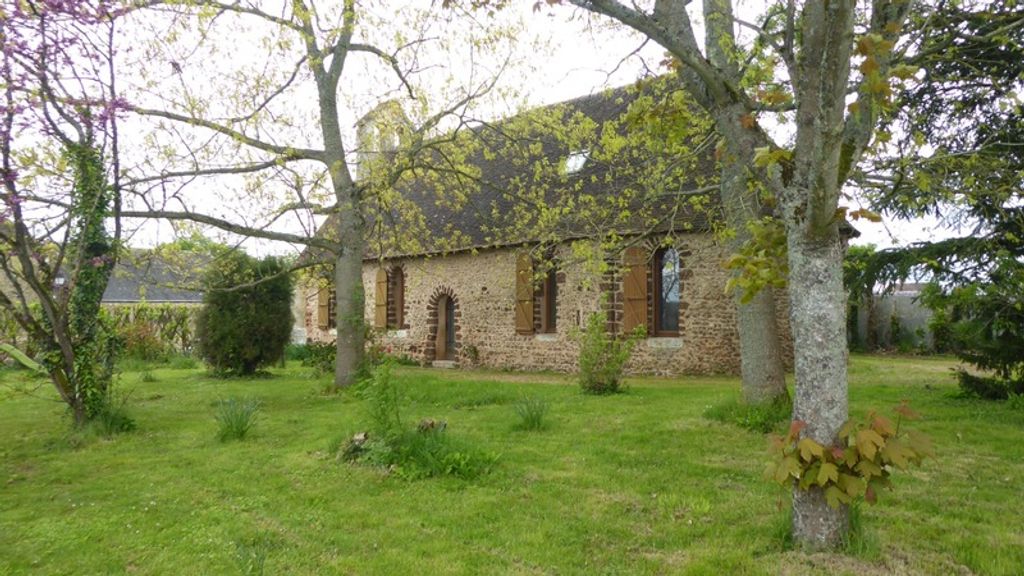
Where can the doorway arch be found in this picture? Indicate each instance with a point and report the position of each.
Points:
(444, 334)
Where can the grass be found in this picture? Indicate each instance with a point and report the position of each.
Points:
(531, 411)
(235, 418)
(635, 483)
(762, 418)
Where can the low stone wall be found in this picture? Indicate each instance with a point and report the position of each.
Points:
(482, 286)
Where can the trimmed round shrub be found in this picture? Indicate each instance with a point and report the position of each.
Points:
(246, 320)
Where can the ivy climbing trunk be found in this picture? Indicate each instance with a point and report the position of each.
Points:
(80, 346)
(819, 333)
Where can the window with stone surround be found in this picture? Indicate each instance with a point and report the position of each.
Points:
(548, 300)
(666, 277)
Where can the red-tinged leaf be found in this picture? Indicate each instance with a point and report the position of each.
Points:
(795, 427)
(896, 453)
(883, 426)
(837, 453)
(906, 411)
(869, 495)
(920, 444)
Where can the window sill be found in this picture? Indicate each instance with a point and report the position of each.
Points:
(403, 333)
(664, 342)
(546, 337)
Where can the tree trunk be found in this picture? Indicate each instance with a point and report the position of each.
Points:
(818, 318)
(764, 376)
(349, 312)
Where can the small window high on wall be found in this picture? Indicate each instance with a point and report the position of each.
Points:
(666, 292)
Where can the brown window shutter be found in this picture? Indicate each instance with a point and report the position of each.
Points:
(634, 289)
(380, 300)
(524, 294)
(323, 307)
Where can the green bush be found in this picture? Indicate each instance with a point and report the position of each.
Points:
(235, 418)
(602, 357)
(762, 418)
(172, 326)
(296, 352)
(141, 341)
(531, 412)
(182, 362)
(320, 356)
(988, 388)
(111, 415)
(246, 319)
(983, 323)
(421, 452)
(1015, 402)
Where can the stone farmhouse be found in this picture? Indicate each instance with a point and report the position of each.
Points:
(513, 304)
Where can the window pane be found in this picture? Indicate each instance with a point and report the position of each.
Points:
(668, 297)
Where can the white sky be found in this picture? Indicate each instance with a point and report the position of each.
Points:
(583, 55)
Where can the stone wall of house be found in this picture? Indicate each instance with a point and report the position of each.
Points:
(482, 286)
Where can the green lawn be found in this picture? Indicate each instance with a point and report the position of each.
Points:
(638, 483)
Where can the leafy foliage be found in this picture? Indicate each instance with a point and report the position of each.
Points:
(236, 418)
(90, 329)
(422, 452)
(246, 319)
(856, 468)
(603, 357)
(155, 331)
(761, 261)
(320, 357)
(960, 160)
(983, 323)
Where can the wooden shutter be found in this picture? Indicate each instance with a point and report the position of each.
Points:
(323, 304)
(380, 300)
(524, 294)
(634, 289)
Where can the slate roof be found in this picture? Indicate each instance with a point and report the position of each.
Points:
(475, 219)
(145, 276)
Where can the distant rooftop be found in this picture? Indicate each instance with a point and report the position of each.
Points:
(145, 276)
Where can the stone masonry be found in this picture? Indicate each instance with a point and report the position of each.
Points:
(482, 287)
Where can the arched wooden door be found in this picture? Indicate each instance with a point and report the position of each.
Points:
(444, 345)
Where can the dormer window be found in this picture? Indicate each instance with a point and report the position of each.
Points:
(576, 161)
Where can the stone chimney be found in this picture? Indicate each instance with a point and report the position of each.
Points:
(380, 133)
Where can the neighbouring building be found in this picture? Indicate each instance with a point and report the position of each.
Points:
(516, 303)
